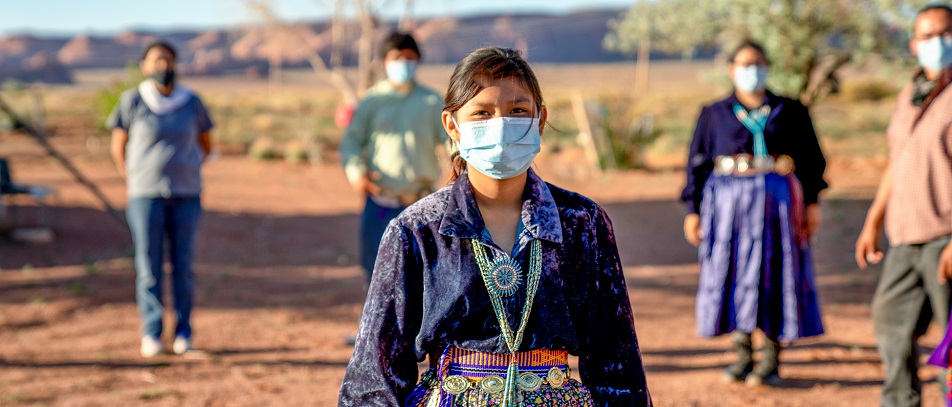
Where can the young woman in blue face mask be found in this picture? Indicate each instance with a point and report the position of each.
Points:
(754, 171)
(498, 276)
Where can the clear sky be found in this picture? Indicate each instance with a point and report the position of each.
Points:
(109, 16)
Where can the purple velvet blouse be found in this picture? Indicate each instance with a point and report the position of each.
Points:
(427, 293)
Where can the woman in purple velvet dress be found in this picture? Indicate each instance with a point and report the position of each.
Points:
(754, 172)
(499, 276)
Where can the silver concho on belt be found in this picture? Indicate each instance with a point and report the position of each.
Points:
(784, 165)
(742, 162)
(529, 381)
(746, 164)
(556, 377)
(492, 384)
(765, 162)
(455, 384)
(724, 165)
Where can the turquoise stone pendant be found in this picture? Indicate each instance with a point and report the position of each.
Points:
(506, 276)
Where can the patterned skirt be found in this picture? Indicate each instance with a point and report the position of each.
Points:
(756, 267)
(475, 379)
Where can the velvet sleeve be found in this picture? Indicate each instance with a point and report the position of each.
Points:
(383, 368)
(610, 364)
(809, 161)
(700, 163)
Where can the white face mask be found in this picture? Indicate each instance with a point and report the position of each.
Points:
(401, 71)
(750, 78)
(501, 148)
(934, 54)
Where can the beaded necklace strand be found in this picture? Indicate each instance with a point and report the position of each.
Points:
(513, 341)
(756, 122)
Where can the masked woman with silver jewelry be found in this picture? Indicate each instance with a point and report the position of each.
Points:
(754, 171)
(498, 276)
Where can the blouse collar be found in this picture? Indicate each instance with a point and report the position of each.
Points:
(770, 99)
(540, 214)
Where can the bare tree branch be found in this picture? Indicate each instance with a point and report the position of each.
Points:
(282, 32)
(826, 81)
(365, 44)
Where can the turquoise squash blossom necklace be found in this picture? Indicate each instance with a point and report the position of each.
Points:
(502, 279)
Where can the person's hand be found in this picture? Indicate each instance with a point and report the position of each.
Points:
(945, 264)
(812, 220)
(366, 184)
(867, 247)
(692, 229)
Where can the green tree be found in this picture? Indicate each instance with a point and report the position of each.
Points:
(108, 97)
(807, 41)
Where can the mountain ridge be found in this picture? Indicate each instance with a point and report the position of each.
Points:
(574, 37)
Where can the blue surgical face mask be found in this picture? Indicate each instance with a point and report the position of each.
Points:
(935, 54)
(501, 148)
(750, 78)
(401, 71)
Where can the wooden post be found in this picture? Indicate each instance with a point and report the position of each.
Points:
(642, 67)
(585, 137)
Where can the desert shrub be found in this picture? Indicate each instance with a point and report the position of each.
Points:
(264, 148)
(628, 134)
(12, 85)
(108, 98)
(867, 90)
(302, 121)
(295, 151)
(842, 121)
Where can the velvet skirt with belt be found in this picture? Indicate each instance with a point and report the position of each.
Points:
(756, 266)
(473, 372)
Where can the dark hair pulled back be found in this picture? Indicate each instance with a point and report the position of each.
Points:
(476, 72)
(747, 43)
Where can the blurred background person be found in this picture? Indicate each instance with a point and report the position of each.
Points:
(389, 150)
(160, 138)
(754, 173)
(914, 201)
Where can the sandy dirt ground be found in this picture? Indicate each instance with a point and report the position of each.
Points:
(279, 289)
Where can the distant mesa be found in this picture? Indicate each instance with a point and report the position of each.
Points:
(84, 51)
(39, 67)
(569, 38)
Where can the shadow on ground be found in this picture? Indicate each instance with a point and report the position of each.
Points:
(240, 254)
(85, 235)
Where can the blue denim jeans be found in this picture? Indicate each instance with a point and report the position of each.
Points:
(373, 223)
(153, 221)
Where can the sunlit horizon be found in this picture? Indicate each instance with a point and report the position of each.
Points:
(106, 17)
